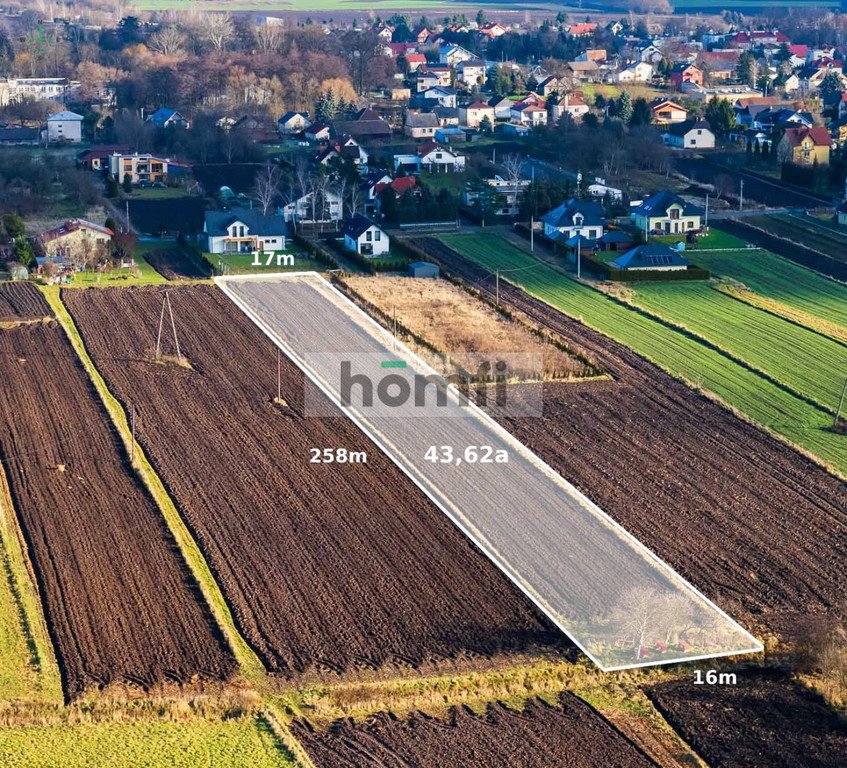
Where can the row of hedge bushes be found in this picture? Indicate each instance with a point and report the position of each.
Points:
(315, 250)
(388, 264)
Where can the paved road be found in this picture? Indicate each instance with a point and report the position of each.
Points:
(588, 575)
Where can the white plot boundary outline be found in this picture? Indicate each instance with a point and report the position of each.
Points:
(221, 282)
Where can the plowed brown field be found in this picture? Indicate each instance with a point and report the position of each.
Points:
(570, 735)
(747, 519)
(22, 301)
(119, 601)
(175, 263)
(766, 719)
(326, 566)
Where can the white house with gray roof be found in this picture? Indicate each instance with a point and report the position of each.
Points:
(244, 231)
(64, 127)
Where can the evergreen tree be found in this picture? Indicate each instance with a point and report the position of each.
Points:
(641, 112)
(746, 68)
(624, 107)
(127, 183)
(720, 116)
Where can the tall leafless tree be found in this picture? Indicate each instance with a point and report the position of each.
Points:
(266, 187)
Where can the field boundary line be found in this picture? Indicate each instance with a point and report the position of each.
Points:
(249, 664)
(773, 307)
(20, 575)
(756, 647)
(282, 732)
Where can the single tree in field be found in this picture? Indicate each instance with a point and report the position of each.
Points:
(641, 112)
(720, 116)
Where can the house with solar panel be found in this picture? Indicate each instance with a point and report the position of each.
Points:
(655, 257)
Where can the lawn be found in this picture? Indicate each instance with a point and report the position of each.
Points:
(145, 274)
(677, 352)
(145, 744)
(243, 263)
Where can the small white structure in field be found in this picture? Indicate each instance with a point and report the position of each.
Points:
(365, 237)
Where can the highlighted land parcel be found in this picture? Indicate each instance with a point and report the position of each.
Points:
(618, 602)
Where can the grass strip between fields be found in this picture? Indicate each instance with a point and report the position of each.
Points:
(250, 665)
(28, 666)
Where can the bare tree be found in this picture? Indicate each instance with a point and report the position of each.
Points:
(268, 37)
(513, 168)
(169, 41)
(635, 618)
(218, 30)
(266, 187)
(132, 130)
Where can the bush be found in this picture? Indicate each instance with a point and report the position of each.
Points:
(315, 250)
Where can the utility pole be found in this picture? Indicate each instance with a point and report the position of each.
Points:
(532, 234)
(707, 210)
(128, 227)
(278, 375)
(840, 405)
(741, 197)
(497, 290)
(578, 257)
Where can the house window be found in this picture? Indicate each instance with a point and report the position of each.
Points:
(674, 213)
(378, 235)
(369, 236)
(690, 225)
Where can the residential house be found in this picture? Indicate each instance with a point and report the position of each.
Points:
(805, 146)
(582, 218)
(651, 256)
(314, 208)
(492, 30)
(165, 117)
(528, 113)
(651, 54)
(143, 167)
(548, 86)
(691, 134)
(64, 128)
(502, 106)
(414, 61)
(77, 241)
(317, 132)
(572, 104)
(451, 55)
(666, 213)
(373, 184)
(472, 115)
(399, 186)
(471, 73)
(582, 29)
(641, 72)
(594, 54)
(293, 122)
(421, 125)
(585, 71)
(431, 158)
(813, 75)
(244, 231)
(366, 125)
(446, 116)
(509, 193)
(666, 111)
(97, 157)
(422, 34)
(446, 97)
(718, 66)
(365, 237)
(686, 73)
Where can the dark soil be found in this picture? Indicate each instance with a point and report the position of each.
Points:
(765, 719)
(570, 735)
(326, 567)
(121, 605)
(178, 264)
(22, 301)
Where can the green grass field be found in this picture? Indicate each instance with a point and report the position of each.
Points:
(145, 274)
(242, 263)
(781, 280)
(821, 236)
(147, 744)
(795, 356)
(677, 352)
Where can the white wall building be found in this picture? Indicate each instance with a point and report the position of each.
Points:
(64, 127)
